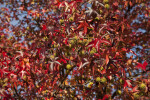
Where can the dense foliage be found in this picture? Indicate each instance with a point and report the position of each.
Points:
(74, 49)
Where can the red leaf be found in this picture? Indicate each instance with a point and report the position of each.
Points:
(97, 42)
(44, 27)
(103, 71)
(57, 3)
(78, 0)
(83, 24)
(40, 89)
(127, 83)
(4, 54)
(52, 98)
(66, 41)
(3, 71)
(96, 54)
(143, 66)
(115, 6)
(39, 49)
(105, 97)
(57, 31)
(63, 60)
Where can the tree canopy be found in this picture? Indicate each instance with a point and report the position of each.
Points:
(74, 49)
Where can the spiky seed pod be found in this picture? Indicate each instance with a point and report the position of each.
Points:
(68, 66)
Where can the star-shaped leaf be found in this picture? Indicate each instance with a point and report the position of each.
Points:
(143, 66)
(83, 24)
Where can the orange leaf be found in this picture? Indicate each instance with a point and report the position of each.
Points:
(107, 58)
(122, 27)
(135, 89)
